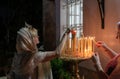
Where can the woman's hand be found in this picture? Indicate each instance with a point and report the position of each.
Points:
(104, 47)
(58, 51)
(101, 44)
(68, 30)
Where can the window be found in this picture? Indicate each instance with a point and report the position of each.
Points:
(74, 13)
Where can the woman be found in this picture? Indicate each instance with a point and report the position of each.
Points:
(28, 60)
(112, 70)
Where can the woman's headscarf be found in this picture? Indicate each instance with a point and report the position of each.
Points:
(24, 41)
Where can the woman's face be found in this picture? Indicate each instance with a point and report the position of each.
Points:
(36, 40)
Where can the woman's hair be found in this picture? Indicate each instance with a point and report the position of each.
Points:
(24, 41)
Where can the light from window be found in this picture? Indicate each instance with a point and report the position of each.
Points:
(74, 13)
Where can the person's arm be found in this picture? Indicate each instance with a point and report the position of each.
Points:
(63, 40)
(49, 55)
(62, 44)
(45, 56)
(109, 51)
(99, 69)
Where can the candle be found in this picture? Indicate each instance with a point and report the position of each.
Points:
(70, 40)
(74, 43)
(89, 48)
(81, 45)
(89, 45)
(85, 47)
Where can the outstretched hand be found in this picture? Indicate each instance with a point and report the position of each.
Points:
(67, 30)
(58, 51)
(100, 44)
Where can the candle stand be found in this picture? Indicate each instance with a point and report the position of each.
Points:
(77, 49)
(74, 65)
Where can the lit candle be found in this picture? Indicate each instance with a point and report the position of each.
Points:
(78, 46)
(93, 40)
(86, 47)
(89, 48)
(74, 43)
(81, 45)
(77, 41)
(89, 45)
(70, 40)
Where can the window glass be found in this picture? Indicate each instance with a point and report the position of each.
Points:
(74, 13)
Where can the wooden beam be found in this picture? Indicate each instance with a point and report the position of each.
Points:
(101, 4)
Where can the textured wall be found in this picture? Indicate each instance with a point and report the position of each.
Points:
(92, 24)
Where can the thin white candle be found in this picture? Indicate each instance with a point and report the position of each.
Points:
(70, 40)
(82, 46)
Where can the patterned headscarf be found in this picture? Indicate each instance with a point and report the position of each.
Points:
(24, 41)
